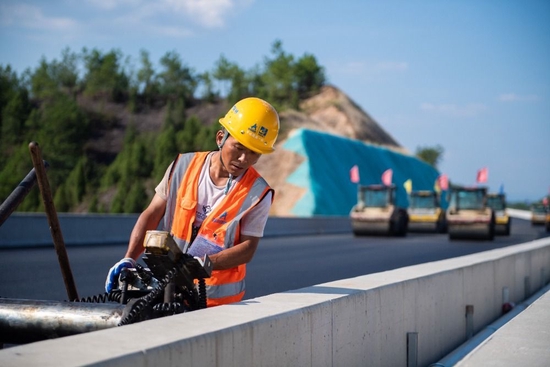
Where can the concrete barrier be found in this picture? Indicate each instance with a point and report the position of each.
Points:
(411, 316)
(32, 229)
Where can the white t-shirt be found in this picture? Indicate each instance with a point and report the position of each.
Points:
(210, 195)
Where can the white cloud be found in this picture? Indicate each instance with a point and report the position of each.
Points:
(512, 97)
(30, 16)
(210, 14)
(469, 110)
(170, 18)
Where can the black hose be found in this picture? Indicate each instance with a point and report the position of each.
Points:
(141, 303)
(202, 293)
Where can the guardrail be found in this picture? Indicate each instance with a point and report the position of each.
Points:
(32, 229)
(411, 316)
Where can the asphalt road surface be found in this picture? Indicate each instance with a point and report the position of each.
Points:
(280, 264)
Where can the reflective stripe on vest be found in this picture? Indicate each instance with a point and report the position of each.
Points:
(221, 226)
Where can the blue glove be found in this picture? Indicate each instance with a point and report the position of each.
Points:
(112, 278)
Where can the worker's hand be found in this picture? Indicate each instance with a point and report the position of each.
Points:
(112, 277)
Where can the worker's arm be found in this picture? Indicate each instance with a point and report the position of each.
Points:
(239, 254)
(148, 220)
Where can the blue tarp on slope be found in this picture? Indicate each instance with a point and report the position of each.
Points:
(325, 172)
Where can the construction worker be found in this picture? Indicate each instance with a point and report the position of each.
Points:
(215, 202)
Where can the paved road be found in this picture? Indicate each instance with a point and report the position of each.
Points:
(280, 264)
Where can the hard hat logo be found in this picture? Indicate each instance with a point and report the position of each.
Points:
(263, 130)
(254, 123)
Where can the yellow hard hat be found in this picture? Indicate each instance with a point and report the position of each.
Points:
(254, 123)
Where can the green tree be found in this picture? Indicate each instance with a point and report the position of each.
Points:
(9, 84)
(43, 84)
(186, 138)
(148, 85)
(431, 155)
(105, 77)
(61, 199)
(208, 94)
(61, 129)
(14, 114)
(177, 81)
(135, 200)
(166, 149)
(205, 139)
(278, 78)
(231, 79)
(66, 71)
(76, 182)
(14, 170)
(309, 75)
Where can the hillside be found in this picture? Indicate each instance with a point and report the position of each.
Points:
(330, 111)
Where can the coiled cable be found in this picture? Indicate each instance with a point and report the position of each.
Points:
(141, 303)
(101, 298)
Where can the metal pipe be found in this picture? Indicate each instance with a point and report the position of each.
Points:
(18, 194)
(26, 321)
(55, 229)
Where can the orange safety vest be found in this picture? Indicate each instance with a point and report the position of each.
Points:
(221, 226)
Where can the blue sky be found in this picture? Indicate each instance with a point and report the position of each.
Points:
(472, 76)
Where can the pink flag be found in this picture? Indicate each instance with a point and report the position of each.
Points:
(354, 174)
(482, 175)
(387, 177)
(443, 182)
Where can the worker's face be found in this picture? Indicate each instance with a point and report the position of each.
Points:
(235, 156)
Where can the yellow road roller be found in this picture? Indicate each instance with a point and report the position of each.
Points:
(503, 221)
(426, 213)
(468, 215)
(376, 213)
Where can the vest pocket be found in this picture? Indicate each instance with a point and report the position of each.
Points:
(187, 204)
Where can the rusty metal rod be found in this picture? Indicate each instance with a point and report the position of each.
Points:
(18, 194)
(55, 229)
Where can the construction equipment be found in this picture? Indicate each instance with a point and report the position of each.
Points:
(425, 212)
(376, 213)
(172, 284)
(538, 214)
(503, 221)
(468, 215)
